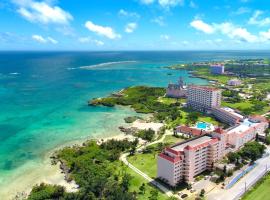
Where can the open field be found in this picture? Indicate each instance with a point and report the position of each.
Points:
(260, 190)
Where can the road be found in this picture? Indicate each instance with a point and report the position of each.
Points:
(245, 183)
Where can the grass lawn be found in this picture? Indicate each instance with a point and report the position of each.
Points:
(170, 139)
(145, 162)
(260, 191)
(137, 181)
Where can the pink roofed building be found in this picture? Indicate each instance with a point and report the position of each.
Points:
(185, 160)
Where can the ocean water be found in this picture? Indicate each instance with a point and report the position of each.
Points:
(43, 97)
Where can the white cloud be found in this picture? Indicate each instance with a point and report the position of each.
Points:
(53, 41)
(265, 36)
(165, 37)
(167, 4)
(202, 26)
(102, 30)
(90, 40)
(170, 3)
(159, 20)
(254, 20)
(131, 27)
(42, 12)
(192, 4)
(41, 39)
(147, 2)
(125, 13)
(226, 28)
(241, 10)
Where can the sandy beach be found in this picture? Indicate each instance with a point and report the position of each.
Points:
(45, 172)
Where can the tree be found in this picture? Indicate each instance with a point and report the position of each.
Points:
(202, 193)
(142, 188)
(132, 151)
(126, 182)
(225, 169)
(257, 137)
(154, 195)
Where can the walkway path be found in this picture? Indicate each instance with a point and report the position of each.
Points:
(123, 158)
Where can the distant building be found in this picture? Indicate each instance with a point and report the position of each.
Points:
(234, 82)
(217, 69)
(185, 160)
(203, 98)
(177, 90)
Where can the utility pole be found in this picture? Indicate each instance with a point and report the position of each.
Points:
(245, 187)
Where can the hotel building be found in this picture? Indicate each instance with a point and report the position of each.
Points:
(203, 98)
(217, 69)
(183, 161)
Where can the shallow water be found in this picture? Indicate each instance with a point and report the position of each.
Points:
(44, 97)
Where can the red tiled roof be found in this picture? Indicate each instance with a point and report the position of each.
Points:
(203, 88)
(219, 130)
(171, 159)
(172, 151)
(190, 130)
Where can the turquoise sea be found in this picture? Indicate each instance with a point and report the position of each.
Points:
(43, 97)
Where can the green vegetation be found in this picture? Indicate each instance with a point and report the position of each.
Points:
(260, 191)
(250, 152)
(171, 139)
(149, 100)
(147, 161)
(249, 67)
(131, 119)
(142, 99)
(95, 169)
(147, 135)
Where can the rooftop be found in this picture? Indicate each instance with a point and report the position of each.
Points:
(232, 111)
(203, 88)
(192, 143)
(244, 126)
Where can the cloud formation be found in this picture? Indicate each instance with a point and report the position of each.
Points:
(202, 26)
(41, 39)
(105, 31)
(86, 40)
(131, 27)
(42, 12)
(254, 20)
(125, 13)
(167, 4)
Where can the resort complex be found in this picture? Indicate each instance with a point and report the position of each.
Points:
(185, 160)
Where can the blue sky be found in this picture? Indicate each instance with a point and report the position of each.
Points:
(134, 24)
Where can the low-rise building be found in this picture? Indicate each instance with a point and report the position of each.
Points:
(234, 82)
(227, 115)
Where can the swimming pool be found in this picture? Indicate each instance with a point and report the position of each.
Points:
(202, 125)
